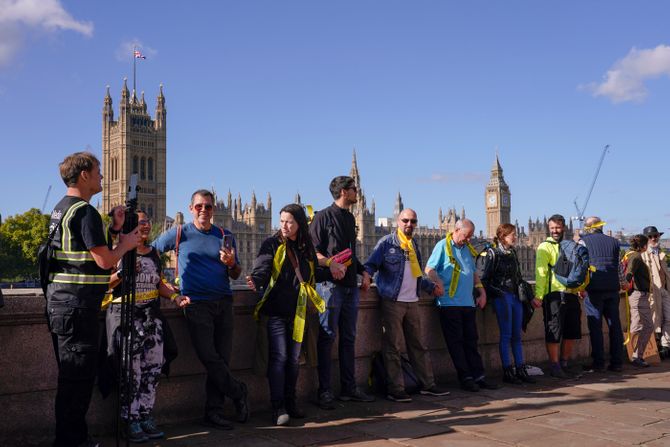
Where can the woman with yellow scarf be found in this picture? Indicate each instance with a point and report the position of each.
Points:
(285, 271)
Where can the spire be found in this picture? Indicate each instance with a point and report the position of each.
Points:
(439, 216)
(253, 199)
(373, 208)
(229, 200)
(107, 110)
(160, 109)
(398, 207)
(462, 212)
(297, 199)
(269, 202)
(354, 171)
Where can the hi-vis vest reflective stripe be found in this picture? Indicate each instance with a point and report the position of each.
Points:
(78, 278)
(74, 257)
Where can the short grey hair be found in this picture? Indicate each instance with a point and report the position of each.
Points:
(463, 224)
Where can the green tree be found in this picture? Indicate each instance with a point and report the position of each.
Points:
(20, 236)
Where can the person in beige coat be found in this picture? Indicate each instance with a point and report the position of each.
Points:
(656, 260)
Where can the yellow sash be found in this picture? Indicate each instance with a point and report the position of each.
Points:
(456, 273)
(139, 297)
(406, 245)
(307, 290)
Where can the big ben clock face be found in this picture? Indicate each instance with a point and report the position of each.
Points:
(505, 200)
(492, 199)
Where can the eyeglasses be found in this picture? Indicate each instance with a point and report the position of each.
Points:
(144, 222)
(199, 206)
(412, 221)
(655, 236)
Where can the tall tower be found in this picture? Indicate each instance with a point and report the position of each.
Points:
(134, 144)
(498, 200)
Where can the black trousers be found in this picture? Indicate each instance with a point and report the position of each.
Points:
(459, 328)
(210, 324)
(75, 338)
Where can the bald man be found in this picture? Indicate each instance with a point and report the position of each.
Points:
(463, 293)
(396, 260)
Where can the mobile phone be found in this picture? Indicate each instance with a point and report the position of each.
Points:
(227, 241)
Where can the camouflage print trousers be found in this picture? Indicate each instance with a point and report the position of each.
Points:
(146, 364)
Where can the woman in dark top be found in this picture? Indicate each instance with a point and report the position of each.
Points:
(501, 278)
(285, 271)
(641, 325)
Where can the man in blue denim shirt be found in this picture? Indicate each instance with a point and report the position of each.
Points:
(397, 261)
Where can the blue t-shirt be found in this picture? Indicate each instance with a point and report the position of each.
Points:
(202, 275)
(439, 262)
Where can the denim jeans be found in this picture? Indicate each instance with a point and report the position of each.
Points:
(340, 315)
(509, 312)
(283, 360)
(606, 305)
(210, 324)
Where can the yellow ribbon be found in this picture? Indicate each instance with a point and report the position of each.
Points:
(406, 245)
(456, 273)
(139, 297)
(595, 225)
(307, 290)
(625, 260)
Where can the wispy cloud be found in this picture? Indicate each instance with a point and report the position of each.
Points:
(20, 16)
(625, 80)
(454, 177)
(124, 52)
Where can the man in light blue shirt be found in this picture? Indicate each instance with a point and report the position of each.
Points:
(452, 265)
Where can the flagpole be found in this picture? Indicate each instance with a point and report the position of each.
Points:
(134, 68)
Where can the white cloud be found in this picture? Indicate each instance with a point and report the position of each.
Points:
(124, 52)
(18, 16)
(625, 80)
(454, 177)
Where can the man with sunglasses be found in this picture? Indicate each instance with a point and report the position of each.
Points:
(333, 231)
(396, 260)
(206, 266)
(656, 261)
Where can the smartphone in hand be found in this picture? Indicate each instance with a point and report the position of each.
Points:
(227, 242)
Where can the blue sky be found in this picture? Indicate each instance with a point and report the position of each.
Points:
(274, 95)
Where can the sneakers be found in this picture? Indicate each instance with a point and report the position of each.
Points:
(356, 395)
(149, 428)
(593, 368)
(217, 421)
(470, 385)
(557, 371)
(136, 434)
(484, 385)
(434, 391)
(242, 405)
(639, 363)
(280, 417)
(399, 396)
(326, 400)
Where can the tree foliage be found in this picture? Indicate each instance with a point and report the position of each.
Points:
(20, 236)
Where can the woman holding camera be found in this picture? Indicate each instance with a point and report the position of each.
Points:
(501, 278)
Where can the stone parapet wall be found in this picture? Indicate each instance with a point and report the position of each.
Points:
(28, 368)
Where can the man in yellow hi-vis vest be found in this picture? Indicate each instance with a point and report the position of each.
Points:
(78, 281)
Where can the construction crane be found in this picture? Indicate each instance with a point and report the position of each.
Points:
(46, 197)
(580, 211)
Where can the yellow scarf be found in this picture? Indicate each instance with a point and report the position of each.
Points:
(406, 245)
(307, 290)
(456, 273)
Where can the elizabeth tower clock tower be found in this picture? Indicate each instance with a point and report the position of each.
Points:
(498, 200)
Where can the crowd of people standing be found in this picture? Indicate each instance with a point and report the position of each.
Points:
(313, 268)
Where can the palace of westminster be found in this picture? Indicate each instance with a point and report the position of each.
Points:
(136, 143)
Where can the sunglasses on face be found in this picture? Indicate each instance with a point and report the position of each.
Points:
(144, 222)
(412, 221)
(199, 207)
(656, 236)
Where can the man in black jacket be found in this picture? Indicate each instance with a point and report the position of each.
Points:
(603, 296)
(333, 231)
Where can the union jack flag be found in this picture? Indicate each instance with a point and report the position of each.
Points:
(139, 55)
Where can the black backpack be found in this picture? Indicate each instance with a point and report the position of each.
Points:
(378, 379)
(45, 257)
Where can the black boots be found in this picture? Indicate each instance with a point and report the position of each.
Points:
(522, 374)
(510, 377)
